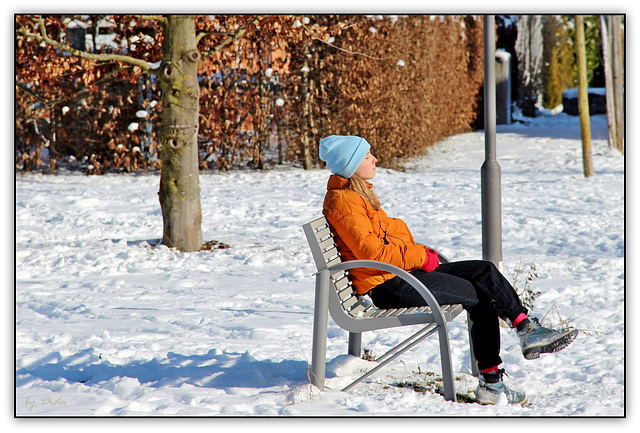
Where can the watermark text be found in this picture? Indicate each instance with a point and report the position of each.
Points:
(31, 403)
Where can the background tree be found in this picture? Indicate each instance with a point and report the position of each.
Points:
(529, 49)
(613, 40)
(179, 175)
(177, 71)
(583, 98)
(559, 54)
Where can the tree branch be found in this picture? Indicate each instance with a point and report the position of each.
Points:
(25, 89)
(232, 37)
(160, 18)
(356, 53)
(83, 54)
(77, 95)
(207, 33)
(80, 93)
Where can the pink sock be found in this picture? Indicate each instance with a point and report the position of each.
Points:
(519, 319)
(490, 370)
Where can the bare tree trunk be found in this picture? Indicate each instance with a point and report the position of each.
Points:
(583, 98)
(618, 80)
(529, 50)
(605, 32)
(305, 95)
(179, 175)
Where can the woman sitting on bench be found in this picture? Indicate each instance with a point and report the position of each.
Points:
(363, 231)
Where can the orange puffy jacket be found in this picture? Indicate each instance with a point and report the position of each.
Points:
(362, 233)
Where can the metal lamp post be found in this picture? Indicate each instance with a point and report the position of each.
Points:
(490, 171)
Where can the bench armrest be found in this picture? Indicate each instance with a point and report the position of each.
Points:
(406, 276)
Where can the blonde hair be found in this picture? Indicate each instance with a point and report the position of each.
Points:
(361, 186)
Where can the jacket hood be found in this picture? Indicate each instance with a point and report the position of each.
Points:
(338, 182)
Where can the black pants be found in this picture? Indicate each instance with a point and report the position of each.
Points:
(477, 285)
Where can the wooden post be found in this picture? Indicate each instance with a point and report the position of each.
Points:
(583, 98)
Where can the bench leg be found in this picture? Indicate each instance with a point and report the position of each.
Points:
(320, 322)
(474, 362)
(447, 368)
(355, 343)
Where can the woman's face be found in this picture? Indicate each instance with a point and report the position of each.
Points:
(367, 168)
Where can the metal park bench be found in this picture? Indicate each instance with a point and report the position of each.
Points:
(334, 294)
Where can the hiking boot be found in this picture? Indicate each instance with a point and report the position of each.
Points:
(492, 390)
(536, 339)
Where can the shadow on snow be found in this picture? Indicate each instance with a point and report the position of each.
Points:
(212, 370)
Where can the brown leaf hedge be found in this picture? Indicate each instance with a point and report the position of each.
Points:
(402, 82)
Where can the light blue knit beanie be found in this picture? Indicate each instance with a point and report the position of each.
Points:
(343, 153)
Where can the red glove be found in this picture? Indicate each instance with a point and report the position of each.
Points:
(432, 261)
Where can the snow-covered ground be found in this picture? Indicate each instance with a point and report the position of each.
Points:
(107, 324)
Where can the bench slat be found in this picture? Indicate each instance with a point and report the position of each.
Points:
(388, 312)
(349, 302)
(323, 233)
(345, 293)
(399, 311)
(330, 254)
(335, 261)
(322, 221)
(375, 313)
(341, 279)
(358, 311)
(327, 243)
(343, 285)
